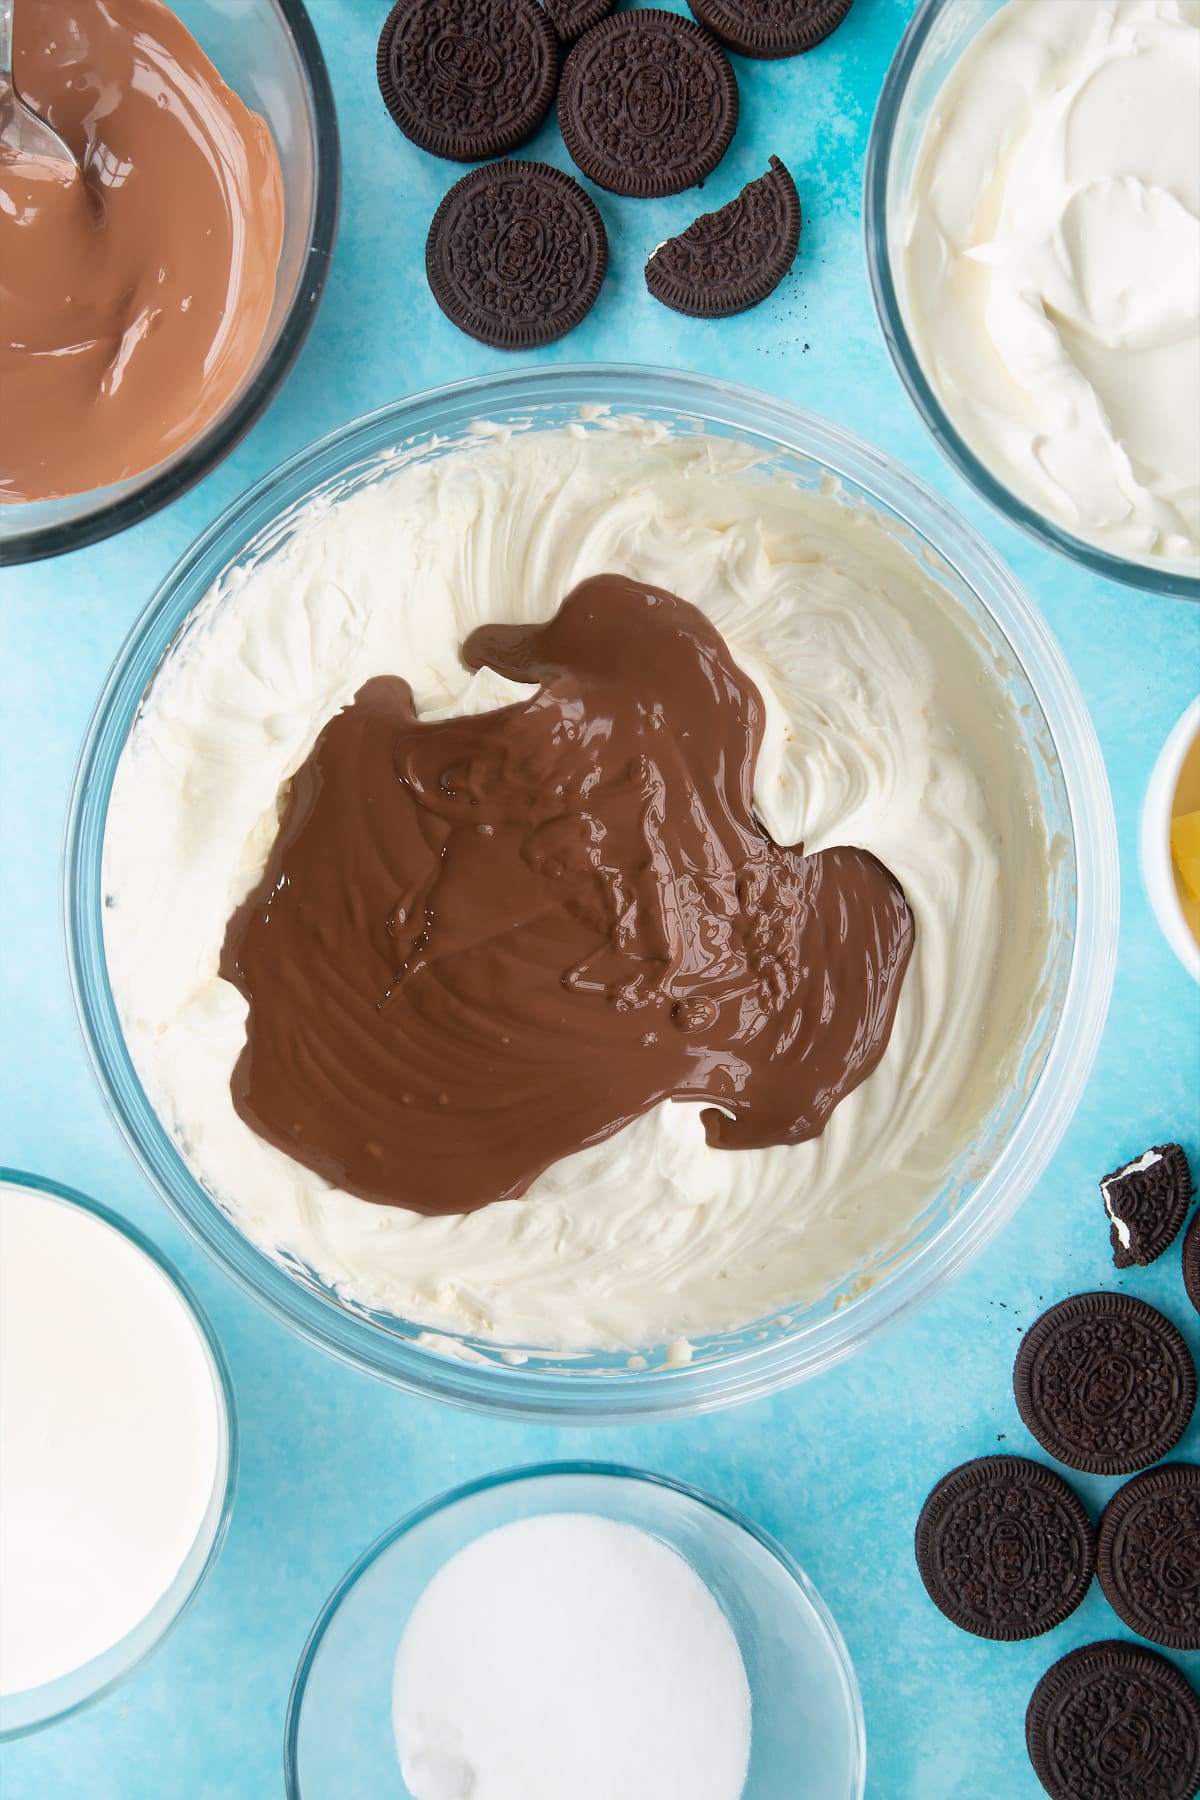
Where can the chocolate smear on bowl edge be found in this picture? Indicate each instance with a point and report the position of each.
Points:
(483, 943)
(730, 260)
(1147, 1202)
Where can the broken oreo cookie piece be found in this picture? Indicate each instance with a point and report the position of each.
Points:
(730, 260)
(1146, 1203)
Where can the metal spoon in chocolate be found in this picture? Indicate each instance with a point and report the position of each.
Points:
(24, 137)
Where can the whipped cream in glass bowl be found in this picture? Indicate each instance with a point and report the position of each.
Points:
(916, 708)
(118, 1450)
(1032, 215)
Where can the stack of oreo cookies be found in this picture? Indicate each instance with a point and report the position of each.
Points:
(1006, 1549)
(647, 107)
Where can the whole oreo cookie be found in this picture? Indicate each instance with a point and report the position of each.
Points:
(771, 28)
(1105, 1383)
(1114, 1721)
(1149, 1555)
(467, 79)
(1005, 1548)
(647, 104)
(1146, 1203)
(1191, 1261)
(516, 254)
(729, 260)
(571, 18)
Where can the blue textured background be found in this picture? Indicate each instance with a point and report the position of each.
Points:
(836, 1469)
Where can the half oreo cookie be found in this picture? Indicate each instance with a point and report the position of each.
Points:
(467, 79)
(1115, 1721)
(1005, 1548)
(516, 254)
(1149, 1555)
(728, 261)
(1105, 1383)
(647, 104)
(771, 28)
(1146, 1203)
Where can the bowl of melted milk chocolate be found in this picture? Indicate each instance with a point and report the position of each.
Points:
(154, 294)
(591, 893)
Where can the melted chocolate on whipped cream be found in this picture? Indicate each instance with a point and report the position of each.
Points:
(482, 943)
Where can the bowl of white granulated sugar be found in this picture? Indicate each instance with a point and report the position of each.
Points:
(575, 1629)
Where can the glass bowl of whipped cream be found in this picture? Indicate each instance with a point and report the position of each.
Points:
(842, 864)
(1031, 217)
(703, 1662)
(161, 295)
(119, 1468)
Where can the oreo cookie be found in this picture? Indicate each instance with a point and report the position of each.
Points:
(467, 79)
(1105, 1383)
(1115, 1721)
(1005, 1548)
(516, 254)
(771, 28)
(571, 18)
(729, 260)
(1191, 1262)
(647, 103)
(1146, 1203)
(1149, 1555)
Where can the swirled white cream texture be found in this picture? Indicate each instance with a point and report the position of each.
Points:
(887, 728)
(1050, 267)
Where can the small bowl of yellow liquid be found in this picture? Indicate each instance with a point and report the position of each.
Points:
(1171, 840)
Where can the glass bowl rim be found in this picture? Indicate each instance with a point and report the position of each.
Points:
(1165, 579)
(215, 442)
(570, 1470)
(746, 1372)
(1154, 838)
(68, 1694)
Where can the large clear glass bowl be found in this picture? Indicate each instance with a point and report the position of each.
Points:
(937, 35)
(268, 53)
(32, 1708)
(806, 1709)
(993, 1174)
